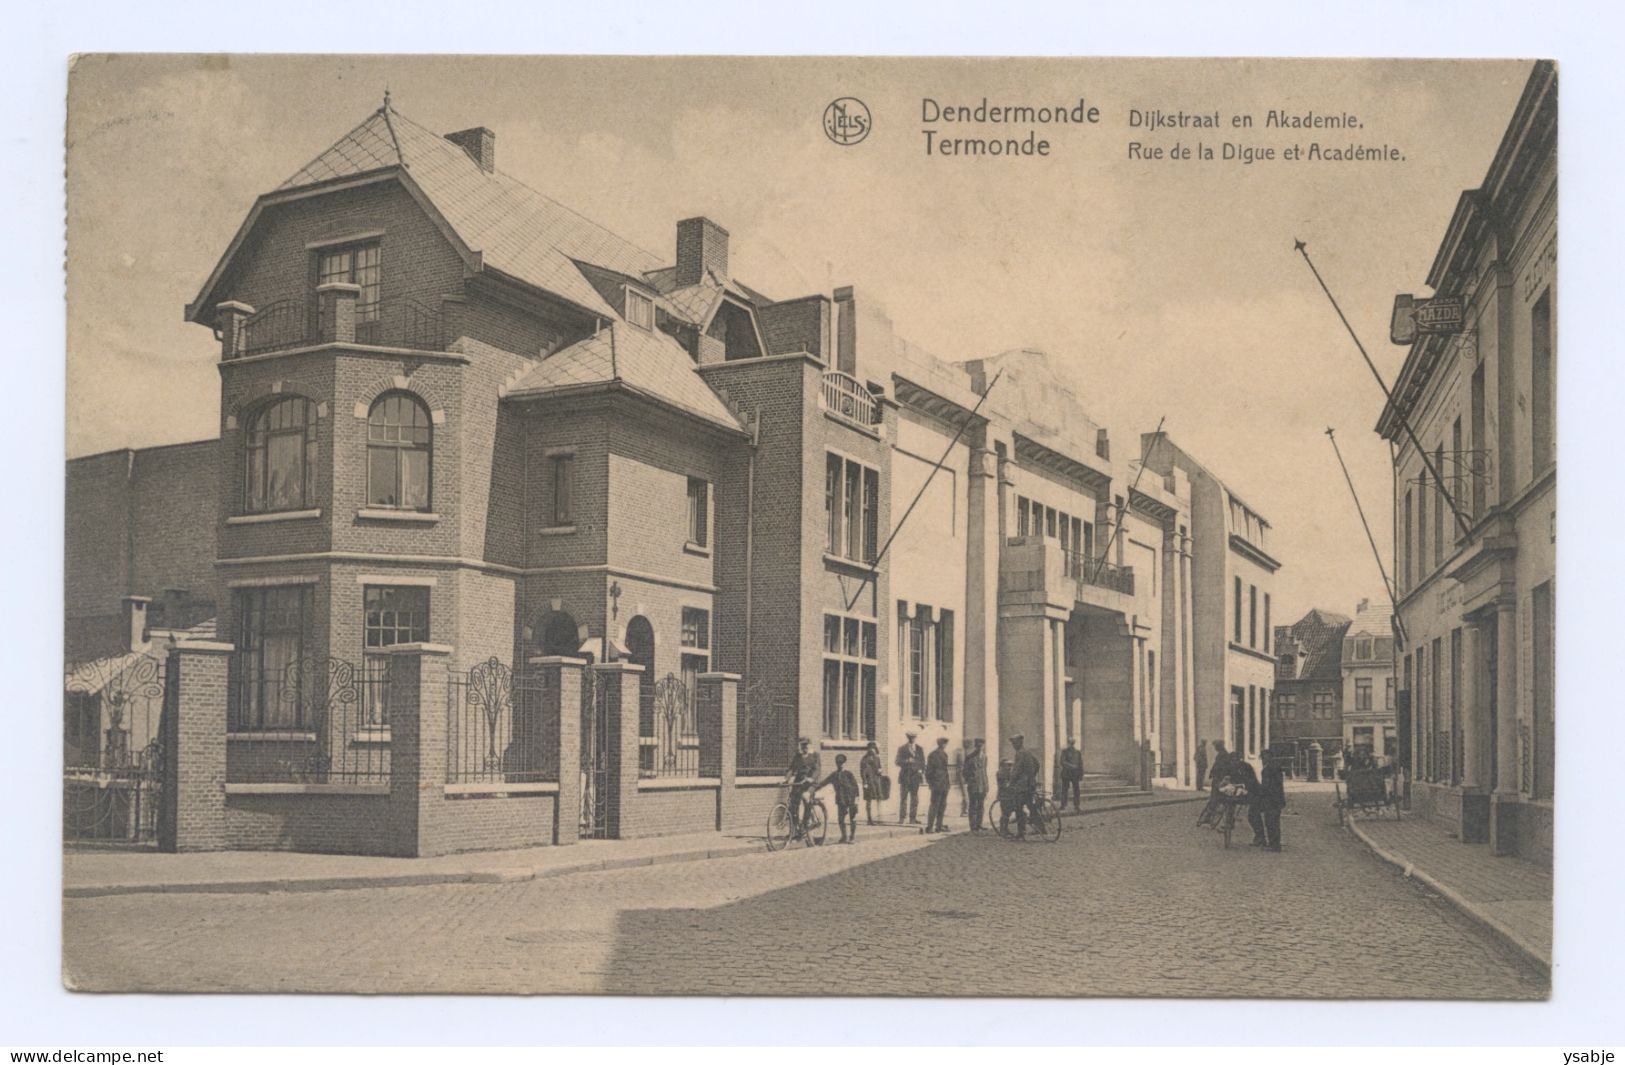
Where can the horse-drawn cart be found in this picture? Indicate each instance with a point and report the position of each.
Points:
(1369, 792)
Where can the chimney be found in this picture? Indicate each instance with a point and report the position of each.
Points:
(1103, 444)
(701, 245)
(480, 144)
(846, 330)
(135, 622)
(1364, 604)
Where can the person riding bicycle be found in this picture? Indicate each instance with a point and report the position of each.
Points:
(802, 776)
(1022, 790)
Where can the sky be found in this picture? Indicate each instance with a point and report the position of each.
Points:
(1160, 288)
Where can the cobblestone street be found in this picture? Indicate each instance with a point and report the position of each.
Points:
(1128, 903)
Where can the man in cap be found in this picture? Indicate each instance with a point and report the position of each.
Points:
(1023, 785)
(937, 778)
(975, 777)
(910, 772)
(801, 776)
(1071, 774)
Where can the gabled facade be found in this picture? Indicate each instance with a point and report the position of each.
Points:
(1309, 700)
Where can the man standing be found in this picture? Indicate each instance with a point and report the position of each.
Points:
(1201, 763)
(937, 778)
(976, 783)
(846, 799)
(910, 772)
(1269, 801)
(1023, 785)
(801, 776)
(1071, 775)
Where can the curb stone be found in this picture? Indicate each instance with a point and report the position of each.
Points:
(1530, 952)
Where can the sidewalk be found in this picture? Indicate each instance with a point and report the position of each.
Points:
(89, 872)
(1510, 897)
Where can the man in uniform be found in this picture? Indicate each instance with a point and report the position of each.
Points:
(937, 778)
(1023, 785)
(976, 783)
(1071, 774)
(801, 776)
(910, 772)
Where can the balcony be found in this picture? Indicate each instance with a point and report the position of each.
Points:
(333, 318)
(841, 395)
(1099, 574)
(1035, 569)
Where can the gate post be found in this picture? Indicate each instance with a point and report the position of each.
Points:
(561, 716)
(192, 816)
(417, 746)
(716, 709)
(619, 684)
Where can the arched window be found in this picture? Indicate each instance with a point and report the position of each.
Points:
(281, 457)
(399, 443)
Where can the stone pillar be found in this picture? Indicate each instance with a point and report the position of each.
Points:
(619, 683)
(335, 307)
(417, 748)
(716, 705)
(561, 724)
(1503, 804)
(1472, 731)
(192, 810)
(981, 595)
(230, 319)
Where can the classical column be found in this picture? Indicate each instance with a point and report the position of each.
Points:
(1472, 733)
(1503, 827)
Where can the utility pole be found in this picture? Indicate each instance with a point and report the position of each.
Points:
(1438, 478)
(1386, 583)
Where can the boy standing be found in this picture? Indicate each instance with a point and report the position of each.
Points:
(846, 799)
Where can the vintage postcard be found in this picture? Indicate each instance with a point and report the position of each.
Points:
(810, 526)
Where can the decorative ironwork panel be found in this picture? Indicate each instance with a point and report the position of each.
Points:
(675, 745)
(313, 720)
(501, 727)
(768, 727)
(113, 751)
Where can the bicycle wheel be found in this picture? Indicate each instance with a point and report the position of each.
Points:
(778, 828)
(816, 825)
(995, 818)
(1050, 829)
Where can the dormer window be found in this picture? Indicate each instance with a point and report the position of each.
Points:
(640, 309)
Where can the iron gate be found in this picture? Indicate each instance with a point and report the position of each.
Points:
(113, 752)
(597, 759)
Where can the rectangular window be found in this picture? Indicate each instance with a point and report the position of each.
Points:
(1541, 421)
(852, 507)
(945, 666)
(1049, 522)
(1267, 629)
(392, 616)
(357, 264)
(1457, 752)
(1422, 527)
(1388, 701)
(1021, 515)
(1365, 736)
(1286, 704)
(1237, 635)
(1406, 561)
(1439, 506)
(1324, 703)
(1362, 695)
(271, 638)
(699, 512)
(640, 310)
(562, 480)
(1252, 615)
(696, 631)
(1460, 462)
(850, 677)
(1481, 455)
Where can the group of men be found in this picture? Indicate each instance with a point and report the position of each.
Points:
(1265, 795)
(1017, 780)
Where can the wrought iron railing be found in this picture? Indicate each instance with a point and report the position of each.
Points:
(283, 324)
(113, 751)
(768, 728)
(502, 727)
(404, 323)
(313, 720)
(669, 742)
(843, 396)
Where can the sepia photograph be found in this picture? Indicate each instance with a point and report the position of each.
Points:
(909, 527)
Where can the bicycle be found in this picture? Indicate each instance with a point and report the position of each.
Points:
(1222, 816)
(814, 824)
(1043, 817)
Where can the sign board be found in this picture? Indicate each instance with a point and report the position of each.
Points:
(1413, 317)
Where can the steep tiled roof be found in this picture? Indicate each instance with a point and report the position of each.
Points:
(516, 229)
(1319, 634)
(651, 363)
(1376, 619)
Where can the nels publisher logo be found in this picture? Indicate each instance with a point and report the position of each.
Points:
(847, 121)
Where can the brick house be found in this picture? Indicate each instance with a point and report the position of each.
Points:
(479, 454)
(1309, 697)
